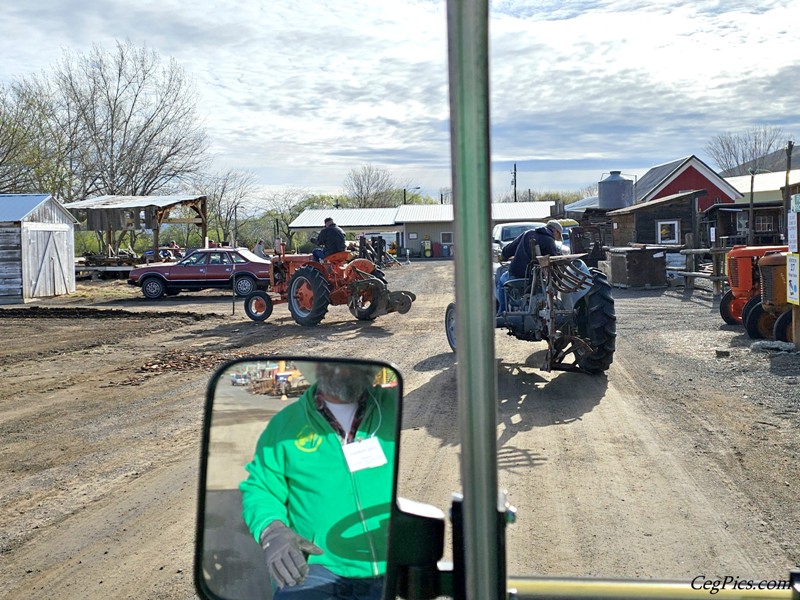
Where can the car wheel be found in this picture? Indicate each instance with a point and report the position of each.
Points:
(153, 288)
(245, 286)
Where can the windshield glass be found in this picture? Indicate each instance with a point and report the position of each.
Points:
(510, 233)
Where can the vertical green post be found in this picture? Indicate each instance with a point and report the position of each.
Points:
(475, 320)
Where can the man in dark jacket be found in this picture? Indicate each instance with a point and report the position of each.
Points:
(521, 249)
(329, 240)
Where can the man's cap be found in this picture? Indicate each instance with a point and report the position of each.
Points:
(328, 220)
(555, 226)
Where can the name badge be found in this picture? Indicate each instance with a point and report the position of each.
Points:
(364, 454)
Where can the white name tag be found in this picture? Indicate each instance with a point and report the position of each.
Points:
(364, 454)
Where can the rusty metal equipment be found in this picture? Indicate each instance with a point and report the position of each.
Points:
(769, 315)
(744, 280)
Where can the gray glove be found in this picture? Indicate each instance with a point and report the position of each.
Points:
(283, 550)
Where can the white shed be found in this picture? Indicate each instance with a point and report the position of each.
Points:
(37, 248)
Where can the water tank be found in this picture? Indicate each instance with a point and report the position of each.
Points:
(615, 192)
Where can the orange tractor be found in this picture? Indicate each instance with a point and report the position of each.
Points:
(769, 314)
(744, 281)
(309, 287)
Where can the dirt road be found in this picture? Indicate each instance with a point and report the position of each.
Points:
(680, 462)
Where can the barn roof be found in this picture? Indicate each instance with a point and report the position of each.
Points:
(658, 177)
(131, 201)
(17, 207)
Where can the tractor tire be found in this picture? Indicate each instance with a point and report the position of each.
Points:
(754, 301)
(364, 306)
(450, 325)
(726, 309)
(245, 285)
(597, 324)
(258, 306)
(153, 288)
(782, 332)
(309, 296)
(759, 323)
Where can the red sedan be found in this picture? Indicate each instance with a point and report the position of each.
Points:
(225, 268)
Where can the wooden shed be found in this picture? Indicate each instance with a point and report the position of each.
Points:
(37, 248)
(664, 221)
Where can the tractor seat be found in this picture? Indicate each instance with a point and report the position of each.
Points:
(337, 257)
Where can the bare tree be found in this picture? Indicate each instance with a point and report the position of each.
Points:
(755, 148)
(231, 200)
(286, 205)
(371, 187)
(114, 122)
(14, 141)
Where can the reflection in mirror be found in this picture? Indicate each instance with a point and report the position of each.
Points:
(297, 474)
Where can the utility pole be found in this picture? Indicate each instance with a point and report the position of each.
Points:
(786, 195)
(514, 181)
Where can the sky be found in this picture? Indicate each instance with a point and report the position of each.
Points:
(301, 92)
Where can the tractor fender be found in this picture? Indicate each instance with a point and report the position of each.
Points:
(362, 264)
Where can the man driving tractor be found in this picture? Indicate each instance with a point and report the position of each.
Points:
(329, 240)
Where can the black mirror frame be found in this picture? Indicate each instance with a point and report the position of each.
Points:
(199, 583)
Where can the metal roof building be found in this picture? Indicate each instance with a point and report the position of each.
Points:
(419, 227)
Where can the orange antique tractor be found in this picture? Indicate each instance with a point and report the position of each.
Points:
(309, 287)
(744, 281)
(771, 316)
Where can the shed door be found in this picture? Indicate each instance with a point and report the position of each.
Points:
(49, 261)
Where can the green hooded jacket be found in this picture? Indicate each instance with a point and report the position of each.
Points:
(299, 476)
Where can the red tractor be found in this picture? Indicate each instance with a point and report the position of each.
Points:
(309, 287)
(744, 281)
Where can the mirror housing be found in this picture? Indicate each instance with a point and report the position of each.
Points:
(271, 451)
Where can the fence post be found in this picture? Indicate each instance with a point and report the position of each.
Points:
(690, 262)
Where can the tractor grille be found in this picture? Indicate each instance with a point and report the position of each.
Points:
(768, 284)
(733, 272)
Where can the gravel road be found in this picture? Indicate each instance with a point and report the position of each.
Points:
(681, 461)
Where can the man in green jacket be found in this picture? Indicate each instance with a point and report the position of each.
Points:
(319, 489)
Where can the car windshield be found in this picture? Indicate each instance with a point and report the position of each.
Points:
(511, 233)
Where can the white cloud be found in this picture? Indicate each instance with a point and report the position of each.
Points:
(302, 92)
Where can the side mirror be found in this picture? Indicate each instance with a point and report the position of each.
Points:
(271, 453)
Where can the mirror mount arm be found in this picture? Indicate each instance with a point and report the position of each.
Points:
(416, 545)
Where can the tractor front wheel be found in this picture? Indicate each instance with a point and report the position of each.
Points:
(258, 306)
(783, 328)
(309, 296)
(597, 324)
(759, 323)
(726, 308)
(450, 325)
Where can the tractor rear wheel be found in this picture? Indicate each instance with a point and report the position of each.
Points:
(450, 325)
(759, 323)
(726, 308)
(597, 324)
(782, 332)
(309, 296)
(258, 306)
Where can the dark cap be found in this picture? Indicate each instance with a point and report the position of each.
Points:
(328, 220)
